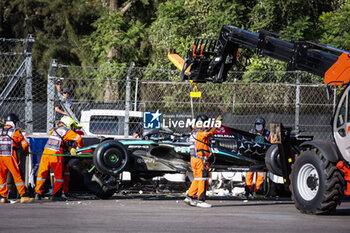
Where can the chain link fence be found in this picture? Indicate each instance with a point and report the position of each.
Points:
(16, 79)
(294, 98)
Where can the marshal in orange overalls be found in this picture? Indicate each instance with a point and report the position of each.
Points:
(200, 152)
(249, 180)
(260, 176)
(10, 140)
(58, 136)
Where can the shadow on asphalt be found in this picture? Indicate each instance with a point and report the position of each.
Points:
(241, 202)
(341, 212)
(266, 201)
(255, 203)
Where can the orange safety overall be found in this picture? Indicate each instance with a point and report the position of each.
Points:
(66, 176)
(66, 172)
(57, 139)
(249, 180)
(262, 135)
(200, 152)
(10, 140)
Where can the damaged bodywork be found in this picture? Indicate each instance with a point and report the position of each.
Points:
(162, 152)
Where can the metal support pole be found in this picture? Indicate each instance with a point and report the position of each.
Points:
(334, 99)
(51, 95)
(28, 88)
(136, 93)
(234, 98)
(192, 111)
(10, 85)
(297, 103)
(127, 100)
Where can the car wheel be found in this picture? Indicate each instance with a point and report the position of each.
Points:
(110, 157)
(316, 183)
(273, 160)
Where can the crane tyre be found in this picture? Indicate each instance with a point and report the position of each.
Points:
(316, 183)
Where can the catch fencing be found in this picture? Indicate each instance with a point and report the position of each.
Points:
(294, 98)
(16, 79)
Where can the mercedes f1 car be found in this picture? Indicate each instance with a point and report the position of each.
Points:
(162, 152)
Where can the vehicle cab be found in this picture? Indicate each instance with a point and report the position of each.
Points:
(109, 122)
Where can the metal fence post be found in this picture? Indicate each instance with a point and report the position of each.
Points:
(334, 99)
(28, 86)
(127, 100)
(136, 93)
(234, 98)
(192, 110)
(51, 95)
(297, 103)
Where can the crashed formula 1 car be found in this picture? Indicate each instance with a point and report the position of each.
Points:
(162, 152)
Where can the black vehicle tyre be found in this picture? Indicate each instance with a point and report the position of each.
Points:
(273, 160)
(110, 157)
(97, 189)
(316, 183)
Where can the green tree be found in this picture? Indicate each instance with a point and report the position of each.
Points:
(58, 27)
(179, 22)
(296, 19)
(120, 33)
(293, 18)
(124, 36)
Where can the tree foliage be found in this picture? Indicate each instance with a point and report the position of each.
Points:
(335, 27)
(179, 22)
(58, 27)
(119, 37)
(117, 32)
(113, 31)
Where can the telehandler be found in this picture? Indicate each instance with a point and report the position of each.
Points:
(319, 175)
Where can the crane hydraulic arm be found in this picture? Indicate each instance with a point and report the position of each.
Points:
(211, 59)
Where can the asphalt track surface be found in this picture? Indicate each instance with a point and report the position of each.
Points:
(164, 213)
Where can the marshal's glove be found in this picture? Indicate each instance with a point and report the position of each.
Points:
(72, 151)
(219, 118)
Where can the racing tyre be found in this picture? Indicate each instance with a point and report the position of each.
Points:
(96, 188)
(110, 157)
(273, 160)
(316, 183)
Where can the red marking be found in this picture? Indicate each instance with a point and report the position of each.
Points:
(194, 51)
(87, 151)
